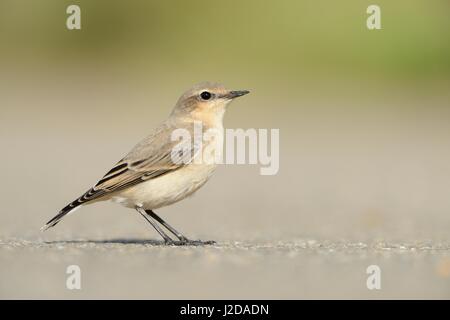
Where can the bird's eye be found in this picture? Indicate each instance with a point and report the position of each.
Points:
(205, 95)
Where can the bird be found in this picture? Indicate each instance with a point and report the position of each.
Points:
(148, 178)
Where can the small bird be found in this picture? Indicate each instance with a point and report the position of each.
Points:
(147, 178)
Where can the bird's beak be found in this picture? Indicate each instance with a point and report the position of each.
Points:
(235, 94)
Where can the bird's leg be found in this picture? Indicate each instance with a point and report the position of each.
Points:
(168, 226)
(180, 237)
(166, 238)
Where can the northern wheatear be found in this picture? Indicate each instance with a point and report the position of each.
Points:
(148, 178)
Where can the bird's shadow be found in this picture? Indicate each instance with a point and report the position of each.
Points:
(147, 242)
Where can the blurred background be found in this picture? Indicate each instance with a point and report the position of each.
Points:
(364, 119)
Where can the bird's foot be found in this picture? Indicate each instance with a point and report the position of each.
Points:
(169, 242)
(186, 242)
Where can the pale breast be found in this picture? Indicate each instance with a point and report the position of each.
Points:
(165, 190)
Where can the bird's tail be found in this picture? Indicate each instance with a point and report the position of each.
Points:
(88, 196)
(64, 211)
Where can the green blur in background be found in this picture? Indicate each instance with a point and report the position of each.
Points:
(293, 39)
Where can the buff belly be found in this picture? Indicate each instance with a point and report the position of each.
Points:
(167, 189)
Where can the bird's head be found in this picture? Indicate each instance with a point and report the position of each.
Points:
(205, 102)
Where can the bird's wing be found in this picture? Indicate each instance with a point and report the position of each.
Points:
(149, 159)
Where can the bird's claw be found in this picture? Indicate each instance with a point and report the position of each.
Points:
(186, 242)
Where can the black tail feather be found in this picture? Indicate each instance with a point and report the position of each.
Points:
(66, 210)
